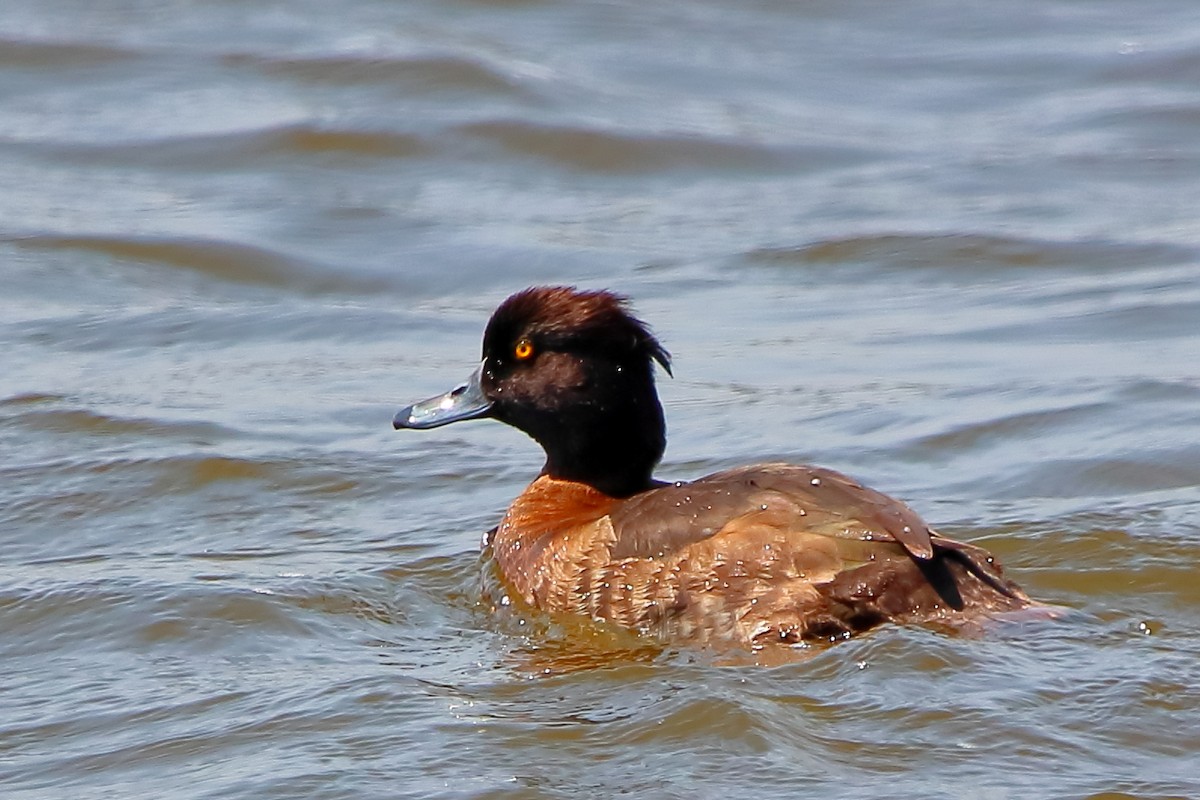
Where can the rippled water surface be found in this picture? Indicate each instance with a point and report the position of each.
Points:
(949, 248)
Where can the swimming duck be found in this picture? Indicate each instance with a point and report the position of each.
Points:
(768, 553)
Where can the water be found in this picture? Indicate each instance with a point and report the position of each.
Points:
(950, 249)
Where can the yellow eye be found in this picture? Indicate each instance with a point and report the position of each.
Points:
(524, 350)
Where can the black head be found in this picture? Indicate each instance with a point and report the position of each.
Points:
(574, 370)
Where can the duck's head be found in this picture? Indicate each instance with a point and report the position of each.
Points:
(574, 370)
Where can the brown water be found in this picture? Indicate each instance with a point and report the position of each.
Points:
(949, 248)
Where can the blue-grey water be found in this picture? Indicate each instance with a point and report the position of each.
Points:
(950, 248)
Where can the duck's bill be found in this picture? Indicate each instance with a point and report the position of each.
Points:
(462, 402)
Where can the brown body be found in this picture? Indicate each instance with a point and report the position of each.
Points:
(754, 555)
(760, 554)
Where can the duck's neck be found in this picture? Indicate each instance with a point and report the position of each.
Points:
(612, 447)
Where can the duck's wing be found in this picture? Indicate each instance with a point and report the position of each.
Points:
(796, 552)
(785, 497)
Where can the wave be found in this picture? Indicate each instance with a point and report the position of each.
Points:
(606, 151)
(432, 73)
(34, 54)
(233, 150)
(973, 250)
(216, 259)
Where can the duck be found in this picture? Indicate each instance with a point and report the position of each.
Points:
(763, 554)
